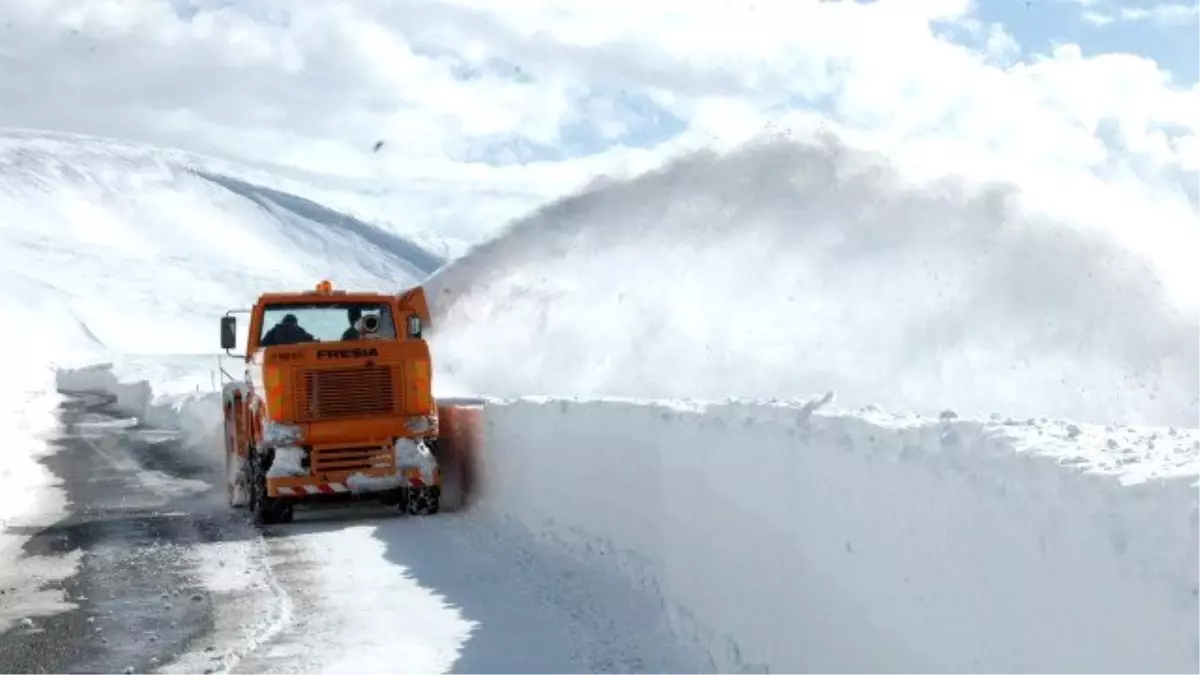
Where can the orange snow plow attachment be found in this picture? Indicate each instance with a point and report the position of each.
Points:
(460, 443)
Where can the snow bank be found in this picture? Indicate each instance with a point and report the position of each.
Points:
(29, 496)
(798, 540)
(196, 414)
(27, 418)
(28, 402)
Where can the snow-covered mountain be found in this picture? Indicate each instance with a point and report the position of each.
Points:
(137, 249)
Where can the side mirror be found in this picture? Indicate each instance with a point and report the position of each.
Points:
(414, 326)
(228, 332)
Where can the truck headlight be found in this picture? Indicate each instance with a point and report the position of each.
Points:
(276, 433)
(421, 424)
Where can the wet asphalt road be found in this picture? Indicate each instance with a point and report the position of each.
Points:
(137, 509)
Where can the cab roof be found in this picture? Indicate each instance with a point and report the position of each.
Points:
(309, 296)
(324, 292)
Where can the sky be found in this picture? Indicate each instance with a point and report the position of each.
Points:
(543, 95)
(1165, 32)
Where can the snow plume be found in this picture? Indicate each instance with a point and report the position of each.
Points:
(787, 268)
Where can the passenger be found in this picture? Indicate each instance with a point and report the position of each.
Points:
(287, 332)
(354, 314)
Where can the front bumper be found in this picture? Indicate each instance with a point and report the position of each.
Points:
(383, 467)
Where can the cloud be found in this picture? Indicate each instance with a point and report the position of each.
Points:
(543, 94)
(1098, 18)
(1169, 13)
(1164, 14)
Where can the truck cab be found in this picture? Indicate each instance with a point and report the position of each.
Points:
(335, 402)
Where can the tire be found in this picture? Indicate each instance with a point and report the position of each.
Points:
(264, 510)
(424, 501)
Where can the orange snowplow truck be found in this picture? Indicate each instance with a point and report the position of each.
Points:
(336, 403)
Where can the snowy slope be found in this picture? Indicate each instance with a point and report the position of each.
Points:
(144, 248)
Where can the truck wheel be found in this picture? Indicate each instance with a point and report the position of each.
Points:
(423, 501)
(264, 509)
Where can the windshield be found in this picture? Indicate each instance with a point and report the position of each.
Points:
(295, 323)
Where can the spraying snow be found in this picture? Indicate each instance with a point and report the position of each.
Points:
(790, 268)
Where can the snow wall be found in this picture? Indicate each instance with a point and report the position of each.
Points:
(791, 540)
(789, 537)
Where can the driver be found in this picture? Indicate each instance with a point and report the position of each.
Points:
(354, 314)
(287, 332)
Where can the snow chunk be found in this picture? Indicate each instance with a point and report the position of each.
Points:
(413, 453)
(409, 454)
(287, 462)
(196, 414)
(360, 483)
(133, 398)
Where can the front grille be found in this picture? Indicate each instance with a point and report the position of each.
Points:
(328, 460)
(338, 393)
